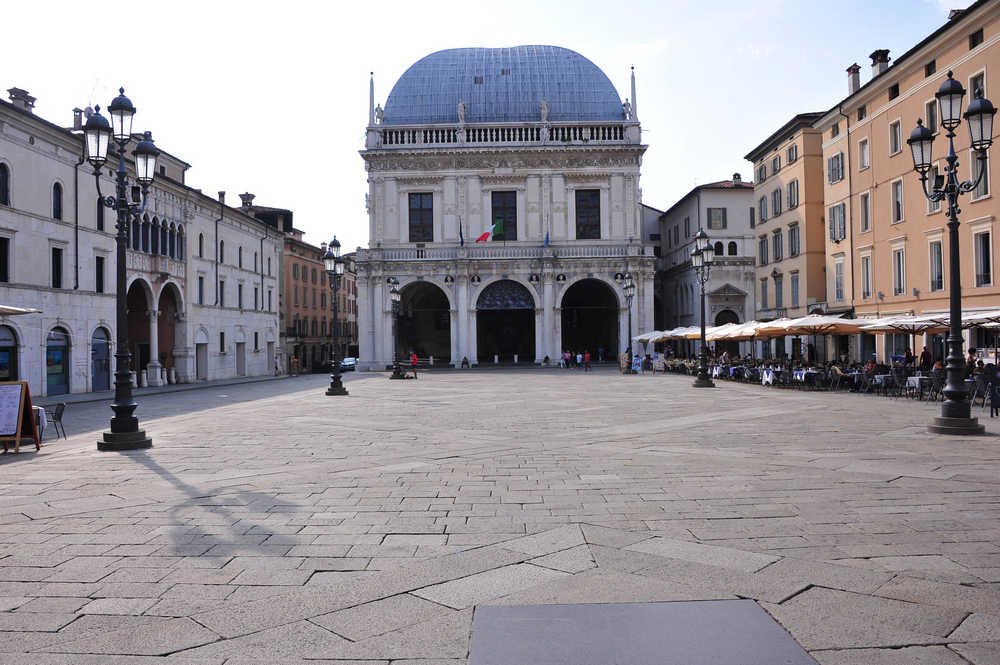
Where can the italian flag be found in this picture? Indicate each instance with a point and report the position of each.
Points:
(495, 227)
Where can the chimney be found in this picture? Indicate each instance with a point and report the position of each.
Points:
(880, 61)
(247, 199)
(853, 78)
(21, 99)
(222, 197)
(956, 13)
(77, 119)
(737, 180)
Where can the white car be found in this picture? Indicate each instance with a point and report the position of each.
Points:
(348, 364)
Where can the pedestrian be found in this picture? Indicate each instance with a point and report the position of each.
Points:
(600, 354)
(586, 361)
(413, 363)
(579, 360)
(925, 359)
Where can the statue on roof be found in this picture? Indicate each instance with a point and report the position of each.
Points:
(627, 109)
(461, 112)
(379, 114)
(544, 108)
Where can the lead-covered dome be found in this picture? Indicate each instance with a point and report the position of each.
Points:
(502, 85)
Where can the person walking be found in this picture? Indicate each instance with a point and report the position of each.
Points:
(413, 363)
(586, 361)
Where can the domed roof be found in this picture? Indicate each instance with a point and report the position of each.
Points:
(502, 85)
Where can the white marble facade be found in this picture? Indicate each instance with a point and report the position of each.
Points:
(544, 160)
(60, 258)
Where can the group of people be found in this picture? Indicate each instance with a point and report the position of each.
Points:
(578, 360)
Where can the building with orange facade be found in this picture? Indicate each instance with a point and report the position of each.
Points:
(788, 233)
(886, 244)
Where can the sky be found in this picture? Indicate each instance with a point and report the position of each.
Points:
(272, 97)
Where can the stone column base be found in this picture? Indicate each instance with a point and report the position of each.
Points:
(967, 426)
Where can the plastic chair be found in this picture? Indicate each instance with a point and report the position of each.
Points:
(55, 417)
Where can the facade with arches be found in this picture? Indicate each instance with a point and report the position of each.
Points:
(725, 211)
(544, 168)
(57, 254)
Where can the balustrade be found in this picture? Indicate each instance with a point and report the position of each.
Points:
(441, 135)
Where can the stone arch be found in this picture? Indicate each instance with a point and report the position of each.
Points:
(610, 283)
(726, 316)
(100, 358)
(154, 236)
(505, 321)
(424, 323)
(733, 250)
(717, 248)
(6, 177)
(140, 300)
(171, 337)
(201, 335)
(591, 310)
(58, 359)
(10, 352)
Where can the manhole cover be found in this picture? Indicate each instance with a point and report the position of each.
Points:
(715, 632)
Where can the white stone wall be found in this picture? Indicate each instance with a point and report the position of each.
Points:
(38, 154)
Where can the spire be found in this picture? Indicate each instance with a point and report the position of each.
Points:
(371, 99)
(635, 101)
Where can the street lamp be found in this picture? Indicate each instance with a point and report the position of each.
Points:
(956, 411)
(128, 203)
(395, 297)
(628, 288)
(701, 260)
(334, 269)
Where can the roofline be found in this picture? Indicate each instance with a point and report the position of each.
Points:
(949, 24)
(744, 185)
(797, 122)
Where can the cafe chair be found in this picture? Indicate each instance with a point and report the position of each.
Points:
(55, 417)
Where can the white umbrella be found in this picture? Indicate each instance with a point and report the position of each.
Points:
(10, 310)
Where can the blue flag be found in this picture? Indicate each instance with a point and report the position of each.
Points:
(461, 237)
(546, 238)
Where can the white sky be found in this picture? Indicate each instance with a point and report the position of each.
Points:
(272, 97)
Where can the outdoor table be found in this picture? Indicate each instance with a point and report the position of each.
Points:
(878, 379)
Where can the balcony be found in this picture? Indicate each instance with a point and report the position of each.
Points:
(154, 263)
(510, 252)
(771, 313)
(507, 134)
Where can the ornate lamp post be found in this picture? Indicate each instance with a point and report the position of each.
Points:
(628, 288)
(395, 297)
(701, 260)
(334, 269)
(124, 433)
(956, 410)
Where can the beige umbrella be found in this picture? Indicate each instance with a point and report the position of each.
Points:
(646, 338)
(10, 310)
(719, 332)
(675, 333)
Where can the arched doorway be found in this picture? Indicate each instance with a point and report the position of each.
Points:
(138, 306)
(100, 360)
(167, 326)
(8, 354)
(424, 321)
(590, 319)
(57, 359)
(505, 323)
(733, 347)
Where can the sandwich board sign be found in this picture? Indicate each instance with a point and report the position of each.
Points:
(17, 419)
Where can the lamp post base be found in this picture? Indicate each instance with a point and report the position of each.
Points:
(703, 382)
(117, 441)
(336, 390)
(960, 426)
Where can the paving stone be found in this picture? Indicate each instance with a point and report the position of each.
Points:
(480, 587)
(977, 628)
(298, 640)
(718, 556)
(980, 653)
(154, 639)
(37, 621)
(773, 589)
(905, 656)
(56, 605)
(547, 542)
(971, 599)
(574, 560)
(380, 616)
(823, 574)
(118, 606)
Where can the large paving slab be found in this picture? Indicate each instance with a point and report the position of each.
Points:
(273, 524)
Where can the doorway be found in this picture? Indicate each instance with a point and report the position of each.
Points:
(241, 359)
(201, 361)
(100, 360)
(505, 323)
(57, 362)
(590, 319)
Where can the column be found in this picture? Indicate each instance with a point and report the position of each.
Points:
(456, 357)
(540, 346)
(461, 344)
(548, 324)
(153, 368)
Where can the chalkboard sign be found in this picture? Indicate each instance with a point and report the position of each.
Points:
(16, 416)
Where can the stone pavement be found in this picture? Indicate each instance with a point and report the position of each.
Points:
(272, 524)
